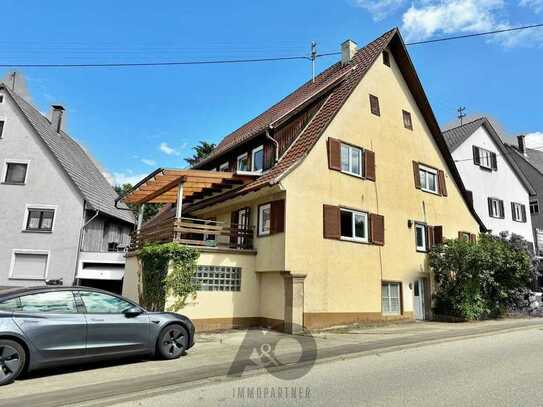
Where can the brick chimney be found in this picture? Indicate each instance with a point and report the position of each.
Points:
(348, 49)
(522, 144)
(57, 113)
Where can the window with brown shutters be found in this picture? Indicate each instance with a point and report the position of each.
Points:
(496, 208)
(429, 179)
(350, 159)
(331, 222)
(374, 105)
(518, 212)
(485, 159)
(377, 229)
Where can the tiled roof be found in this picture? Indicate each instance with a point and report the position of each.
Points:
(77, 163)
(335, 98)
(457, 135)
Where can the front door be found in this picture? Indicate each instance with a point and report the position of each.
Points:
(53, 324)
(109, 330)
(418, 299)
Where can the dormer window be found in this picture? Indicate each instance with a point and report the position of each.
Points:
(224, 166)
(243, 163)
(257, 159)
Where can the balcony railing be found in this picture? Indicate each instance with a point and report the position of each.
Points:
(195, 232)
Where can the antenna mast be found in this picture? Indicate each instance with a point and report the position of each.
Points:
(313, 58)
(461, 114)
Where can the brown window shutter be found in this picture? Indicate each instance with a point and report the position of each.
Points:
(513, 211)
(441, 183)
(416, 173)
(334, 154)
(269, 156)
(490, 207)
(502, 211)
(331, 222)
(438, 234)
(476, 156)
(374, 105)
(472, 237)
(494, 161)
(277, 216)
(523, 208)
(430, 237)
(369, 165)
(460, 235)
(377, 229)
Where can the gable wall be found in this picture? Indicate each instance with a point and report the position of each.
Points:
(503, 184)
(47, 184)
(344, 276)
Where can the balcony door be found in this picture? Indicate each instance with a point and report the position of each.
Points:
(240, 220)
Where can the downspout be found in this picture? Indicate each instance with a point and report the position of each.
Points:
(274, 141)
(81, 237)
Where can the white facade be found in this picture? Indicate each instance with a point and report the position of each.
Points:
(502, 183)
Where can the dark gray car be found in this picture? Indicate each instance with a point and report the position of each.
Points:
(50, 326)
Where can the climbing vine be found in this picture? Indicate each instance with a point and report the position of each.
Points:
(157, 283)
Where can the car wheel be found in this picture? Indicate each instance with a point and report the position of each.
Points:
(172, 342)
(12, 361)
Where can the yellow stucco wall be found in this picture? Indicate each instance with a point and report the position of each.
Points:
(344, 276)
(226, 304)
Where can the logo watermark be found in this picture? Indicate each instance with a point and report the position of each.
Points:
(286, 357)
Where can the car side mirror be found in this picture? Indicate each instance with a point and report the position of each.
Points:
(132, 312)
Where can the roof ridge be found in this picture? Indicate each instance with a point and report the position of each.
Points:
(465, 124)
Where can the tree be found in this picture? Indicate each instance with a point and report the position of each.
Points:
(201, 151)
(149, 211)
(477, 280)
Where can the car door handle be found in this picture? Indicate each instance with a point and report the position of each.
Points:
(97, 320)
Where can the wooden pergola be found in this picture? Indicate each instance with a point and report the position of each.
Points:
(180, 186)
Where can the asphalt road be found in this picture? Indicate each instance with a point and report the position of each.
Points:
(497, 370)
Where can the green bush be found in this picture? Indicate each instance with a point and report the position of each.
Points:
(157, 283)
(477, 280)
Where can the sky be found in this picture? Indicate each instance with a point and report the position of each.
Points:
(134, 120)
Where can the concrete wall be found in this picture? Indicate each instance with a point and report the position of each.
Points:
(503, 184)
(344, 278)
(46, 184)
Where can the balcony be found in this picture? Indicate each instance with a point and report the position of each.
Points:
(195, 232)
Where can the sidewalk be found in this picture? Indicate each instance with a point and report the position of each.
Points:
(214, 354)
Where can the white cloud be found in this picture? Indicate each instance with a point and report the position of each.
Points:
(148, 162)
(379, 10)
(534, 140)
(166, 149)
(121, 178)
(427, 18)
(535, 5)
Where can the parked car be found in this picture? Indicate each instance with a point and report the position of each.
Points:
(51, 326)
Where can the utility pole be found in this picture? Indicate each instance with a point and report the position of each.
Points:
(461, 114)
(313, 59)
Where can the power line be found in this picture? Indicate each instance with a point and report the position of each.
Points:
(458, 37)
(247, 60)
(170, 63)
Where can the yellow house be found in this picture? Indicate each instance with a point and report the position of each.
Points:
(319, 211)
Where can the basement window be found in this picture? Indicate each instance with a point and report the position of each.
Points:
(218, 278)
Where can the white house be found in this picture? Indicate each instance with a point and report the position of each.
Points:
(500, 191)
(58, 217)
